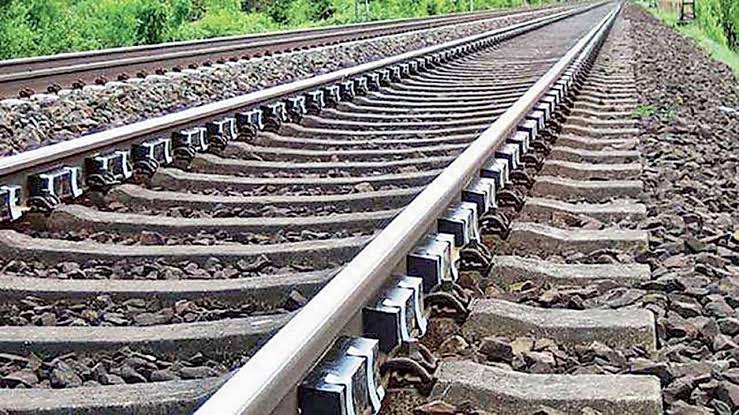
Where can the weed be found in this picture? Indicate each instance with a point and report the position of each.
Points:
(643, 111)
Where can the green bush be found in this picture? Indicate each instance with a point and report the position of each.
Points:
(720, 20)
(732, 24)
(223, 23)
(42, 27)
(709, 17)
(151, 21)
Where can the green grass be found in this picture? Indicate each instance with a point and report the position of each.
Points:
(696, 31)
(717, 51)
(643, 111)
(46, 27)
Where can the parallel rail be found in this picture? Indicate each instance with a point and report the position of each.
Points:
(267, 383)
(39, 74)
(15, 170)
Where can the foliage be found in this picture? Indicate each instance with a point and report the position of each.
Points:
(151, 21)
(643, 111)
(713, 40)
(710, 17)
(720, 20)
(223, 23)
(44, 27)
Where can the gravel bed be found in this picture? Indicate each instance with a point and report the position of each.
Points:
(45, 119)
(377, 135)
(334, 155)
(565, 220)
(106, 311)
(145, 270)
(338, 172)
(297, 190)
(203, 238)
(222, 211)
(690, 148)
(543, 355)
(123, 366)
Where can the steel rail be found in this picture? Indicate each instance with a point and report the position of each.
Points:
(40, 72)
(51, 155)
(264, 382)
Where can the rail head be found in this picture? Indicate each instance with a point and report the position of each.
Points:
(262, 384)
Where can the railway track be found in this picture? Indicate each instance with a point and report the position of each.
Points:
(555, 302)
(222, 270)
(26, 76)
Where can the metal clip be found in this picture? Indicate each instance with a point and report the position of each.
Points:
(405, 69)
(62, 183)
(396, 74)
(547, 107)
(432, 260)
(565, 82)
(396, 314)
(531, 127)
(277, 110)
(344, 382)
(151, 154)
(10, 199)
(413, 67)
(104, 170)
(497, 170)
(522, 139)
(332, 95)
(250, 122)
(539, 116)
(314, 102)
(369, 350)
(296, 108)
(416, 285)
(373, 81)
(274, 115)
(461, 222)
(346, 90)
(194, 138)
(554, 95)
(509, 152)
(360, 85)
(385, 76)
(481, 192)
(224, 129)
(560, 89)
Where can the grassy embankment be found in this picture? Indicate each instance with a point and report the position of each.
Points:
(716, 28)
(45, 27)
